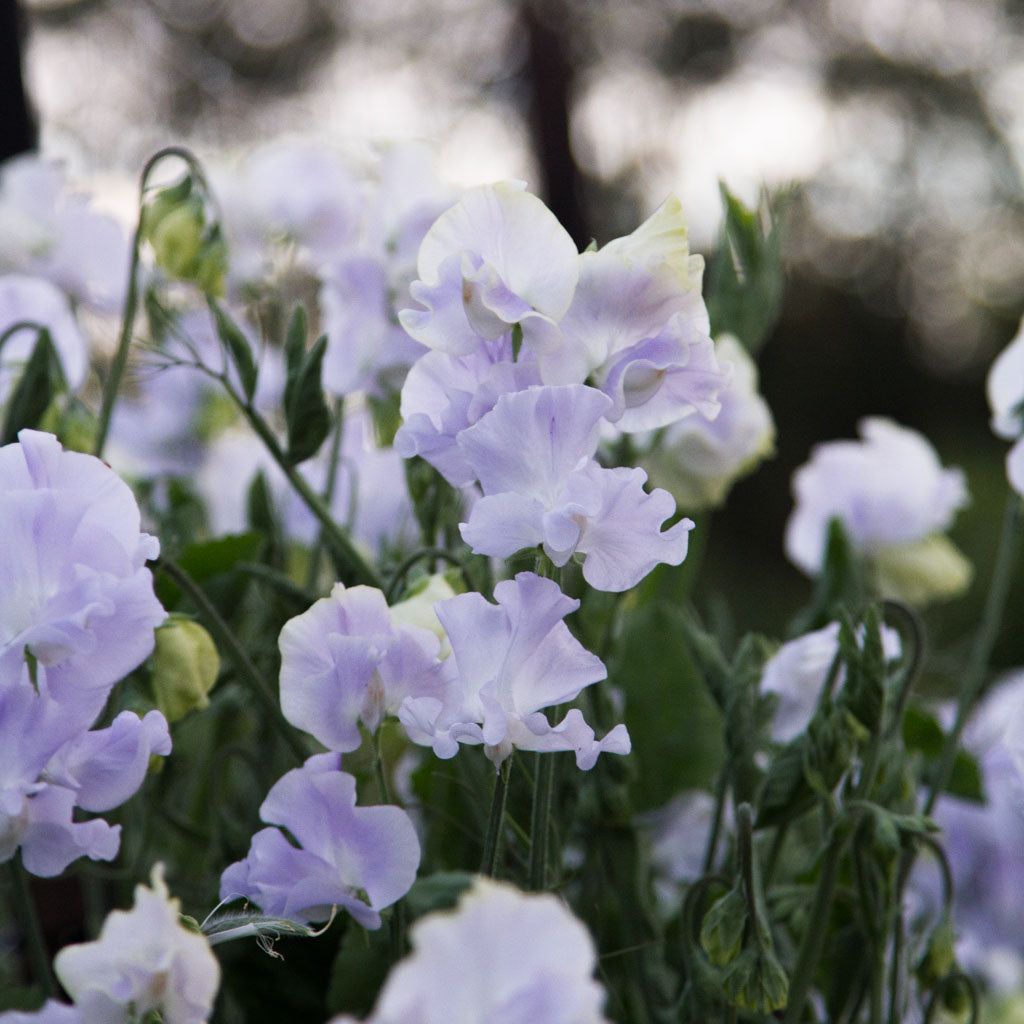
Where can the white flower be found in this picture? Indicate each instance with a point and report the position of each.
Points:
(502, 956)
(144, 960)
(892, 496)
(697, 459)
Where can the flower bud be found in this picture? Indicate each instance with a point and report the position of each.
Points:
(184, 667)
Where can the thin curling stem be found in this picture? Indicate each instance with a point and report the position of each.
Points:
(131, 304)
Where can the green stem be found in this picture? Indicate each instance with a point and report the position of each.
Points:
(540, 820)
(342, 550)
(334, 459)
(492, 840)
(226, 639)
(974, 678)
(814, 939)
(394, 587)
(32, 932)
(131, 305)
(721, 788)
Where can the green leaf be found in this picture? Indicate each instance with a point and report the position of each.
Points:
(786, 793)
(359, 970)
(721, 933)
(746, 277)
(921, 731)
(237, 345)
(295, 340)
(839, 585)
(439, 891)
(40, 381)
(965, 780)
(306, 414)
(756, 982)
(208, 559)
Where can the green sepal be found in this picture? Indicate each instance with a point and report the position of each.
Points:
(756, 982)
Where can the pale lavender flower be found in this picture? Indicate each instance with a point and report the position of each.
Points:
(360, 858)
(698, 459)
(984, 843)
(50, 765)
(497, 258)
(1005, 389)
(514, 658)
(894, 499)
(343, 662)
(533, 455)
(77, 594)
(48, 230)
(797, 672)
(444, 394)
(38, 301)
(502, 956)
(144, 961)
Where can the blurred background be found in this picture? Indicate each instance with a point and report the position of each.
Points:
(900, 122)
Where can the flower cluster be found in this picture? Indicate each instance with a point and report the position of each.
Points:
(77, 613)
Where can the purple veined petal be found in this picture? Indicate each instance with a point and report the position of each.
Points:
(444, 324)
(514, 232)
(77, 590)
(362, 858)
(661, 379)
(329, 655)
(501, 524)
(51, 840)
(624, 541)
(555, 429)
(108, 765)
(535, 732)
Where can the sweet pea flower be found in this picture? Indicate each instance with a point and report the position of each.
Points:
(359, 858)
(502, 956)
(696, 459)
(638, 328)
(50, 764)
(49, 231)
(544, 488)
(513, 659)
(984, 843)
(894, 500)
(1005, 390)
(444, 394)
(343, 661)
(77, 596)
(497, 258)
(35, 300)
(144, 961)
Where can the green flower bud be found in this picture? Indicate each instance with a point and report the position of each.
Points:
(756, 982)
(721, 934)
(184, 667)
